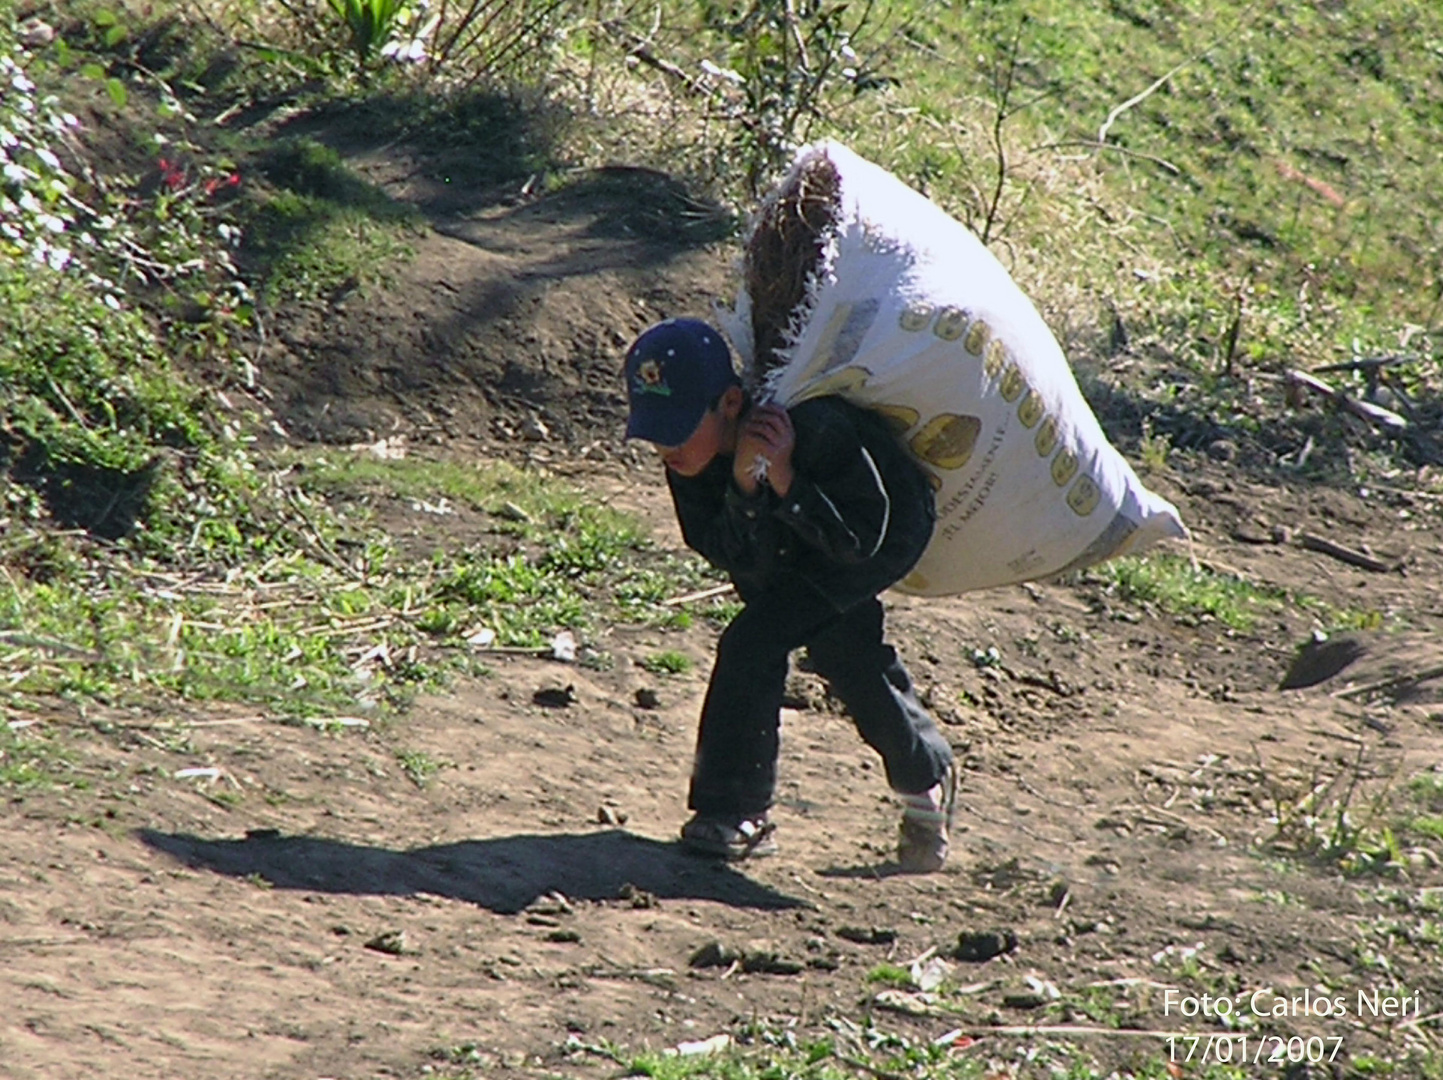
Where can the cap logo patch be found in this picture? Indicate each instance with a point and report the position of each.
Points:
(649, 379)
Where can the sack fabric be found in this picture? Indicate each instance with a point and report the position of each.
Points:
(908, 313)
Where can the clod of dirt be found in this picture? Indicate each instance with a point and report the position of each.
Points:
(638, 898)
(766, 960)
(553, 903)
(392, 943)
(867, 935)
(714, 954)
(979, 947)
(647, 698)
(1223, 450)
(1023, 999)
(553, 697)
(608, 815)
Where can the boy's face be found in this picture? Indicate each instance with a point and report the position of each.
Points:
(715, 434)
(693, 456)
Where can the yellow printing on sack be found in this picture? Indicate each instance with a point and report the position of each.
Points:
(1013, 384)
(1030, 411)
(995, 360)
(1064, 468)
(1046, 440)
(946, 441)
(950, 324)
(1084, 496)
(977, 337)
(915, 317)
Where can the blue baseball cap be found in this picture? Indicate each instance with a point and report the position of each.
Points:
(674, 371)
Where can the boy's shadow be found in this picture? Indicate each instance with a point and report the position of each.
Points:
(504, 874)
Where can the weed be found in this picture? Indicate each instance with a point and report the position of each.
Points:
(890, 975)
(1154, 450)
(370, 24)
(418, 766)
(668, 662)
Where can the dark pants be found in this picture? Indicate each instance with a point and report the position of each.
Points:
(735, 773)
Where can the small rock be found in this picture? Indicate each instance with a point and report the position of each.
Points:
(639, 898)
(979, 947)
(565, 937)
(552, 903)
(1224, 450)
(764, 958)
(714, 954)
(35, 33)
(867, 935)
(1023, 999)
(607, 815)
(542, 920)
(553, 697)
(392, 943)
(533, 430)
(647, 698)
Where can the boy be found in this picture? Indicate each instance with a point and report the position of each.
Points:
(812, 511)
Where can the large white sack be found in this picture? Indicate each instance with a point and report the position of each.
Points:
(910, 315)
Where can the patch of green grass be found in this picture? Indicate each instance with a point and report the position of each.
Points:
(1430, 825)
(1427, 788)
(322, 230)
(30, 757)
(667, 662)
(418, 766)
(1173, 585)
(889, 975)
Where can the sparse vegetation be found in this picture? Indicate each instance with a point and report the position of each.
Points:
(668, 662)
(1197, 204)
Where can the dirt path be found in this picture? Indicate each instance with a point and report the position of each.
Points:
(311, 911)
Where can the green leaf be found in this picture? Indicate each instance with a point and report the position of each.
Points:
(114, 36)
(93, 71)
(116, 89)
(106, 18)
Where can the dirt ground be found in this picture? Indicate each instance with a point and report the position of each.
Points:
(527, 908)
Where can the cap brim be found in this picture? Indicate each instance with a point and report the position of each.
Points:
(662, 427)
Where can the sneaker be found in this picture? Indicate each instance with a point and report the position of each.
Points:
(925, 832)
(730, 838)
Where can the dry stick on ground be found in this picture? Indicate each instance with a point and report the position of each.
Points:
(1299, 381)
(700, 594)
(1363, 561)
(1395, 682)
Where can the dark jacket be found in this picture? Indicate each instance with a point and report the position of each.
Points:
(857, 517)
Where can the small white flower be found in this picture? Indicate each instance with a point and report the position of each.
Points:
(111, 302)
(47, 157)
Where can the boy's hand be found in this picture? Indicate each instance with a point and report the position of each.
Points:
(764, 450)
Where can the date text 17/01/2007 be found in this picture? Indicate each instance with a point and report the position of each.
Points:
(1252, 1049)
